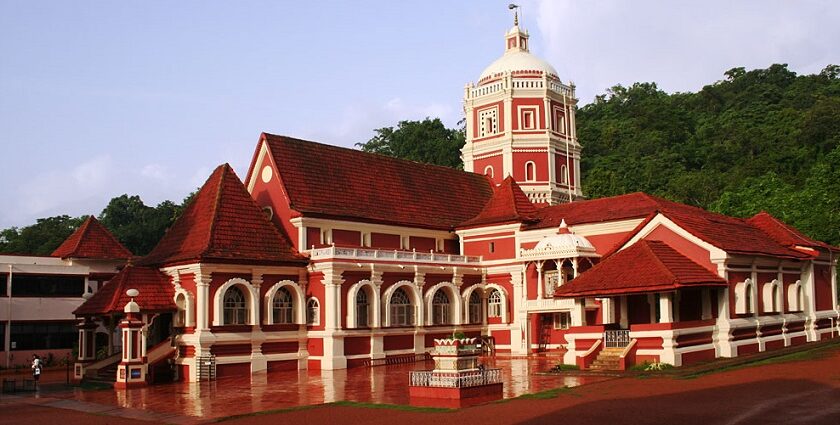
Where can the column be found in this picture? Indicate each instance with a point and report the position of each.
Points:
(518, 330)
(331, 305)
(579, 312)
(259, 363)
(706, 300)
(539, 266)
(666, 311)
(377, 340)
(420, 319)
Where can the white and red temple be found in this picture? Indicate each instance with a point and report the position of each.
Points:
(327, 257)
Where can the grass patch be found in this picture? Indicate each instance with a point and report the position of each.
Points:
(547, 394)
(560, 367)
(403, 407)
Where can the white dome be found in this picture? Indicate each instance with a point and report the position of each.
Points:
(517, 61)
(564, 241)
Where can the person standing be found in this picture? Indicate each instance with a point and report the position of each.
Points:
(36, 369)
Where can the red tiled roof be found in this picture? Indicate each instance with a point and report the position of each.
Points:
(646, 266)
(730, 234)
(783, 233)
(508, 204)
(223, 224)
(156, 292)
(334, 182)
(92, 240)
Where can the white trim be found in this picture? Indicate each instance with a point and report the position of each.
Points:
(715, 253)
(250, 292)
(373, 304)
(413, 293)
(465, 300)
(454, 301)
(298, 312)
(189, 307)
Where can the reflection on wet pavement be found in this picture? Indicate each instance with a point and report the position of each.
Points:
(283, 389)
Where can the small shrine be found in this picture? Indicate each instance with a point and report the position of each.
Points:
(458, 379)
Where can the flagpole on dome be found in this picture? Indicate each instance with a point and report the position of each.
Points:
(515, 8)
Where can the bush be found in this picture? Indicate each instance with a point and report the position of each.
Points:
(651, 367)
(559, 367)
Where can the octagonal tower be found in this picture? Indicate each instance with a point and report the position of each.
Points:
(520, 121)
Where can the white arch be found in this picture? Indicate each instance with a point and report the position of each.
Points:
(505, 299)
(465, 300)
(454, 297)
(412, 292)
(796, 303)
(298, 306)
(744, 297)
(250, 293)
(488, 171)
(189, 310)
(373, 302)
(529, 177)
(771, 296)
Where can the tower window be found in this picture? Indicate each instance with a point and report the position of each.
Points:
(488, 171)
(559, 121)
(564, 174)
(530, 171)
(527, 119)
(489, 123)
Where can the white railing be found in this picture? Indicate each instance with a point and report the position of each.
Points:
(428, 378)
(617, 339)
(561, 88)
(485, 90)
(530, 83)
(382, 254)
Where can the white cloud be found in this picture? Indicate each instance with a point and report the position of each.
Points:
(155, 172)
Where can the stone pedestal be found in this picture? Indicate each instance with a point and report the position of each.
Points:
(458, 379)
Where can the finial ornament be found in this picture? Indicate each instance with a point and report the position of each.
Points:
(514, 8)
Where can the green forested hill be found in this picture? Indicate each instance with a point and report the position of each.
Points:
(765, 139)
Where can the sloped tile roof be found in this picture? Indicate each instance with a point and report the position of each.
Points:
(730, 234)
(156, 292)
(223, 224)
(508, 204)
(334, 182)
(785, 234)
(92, 240)
(646, 266)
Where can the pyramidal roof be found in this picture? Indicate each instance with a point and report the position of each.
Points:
(223, 224)
(508, 204)
(92, 240)
(646, 266)
(156, 292)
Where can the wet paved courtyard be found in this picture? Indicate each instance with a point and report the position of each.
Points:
(284, 389)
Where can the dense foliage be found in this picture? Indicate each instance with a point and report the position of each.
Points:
(139, 227)
(426, 141)
(765, 139)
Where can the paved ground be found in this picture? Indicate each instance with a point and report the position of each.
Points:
(799, 391)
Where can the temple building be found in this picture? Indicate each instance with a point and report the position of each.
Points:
(329, 258)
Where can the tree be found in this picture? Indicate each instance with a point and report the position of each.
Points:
(138, 226)
(427, 141)
(41, 238)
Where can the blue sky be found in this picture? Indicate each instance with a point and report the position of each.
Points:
(103, 98)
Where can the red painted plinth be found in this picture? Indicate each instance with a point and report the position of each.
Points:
(131, 384)
(454, 397)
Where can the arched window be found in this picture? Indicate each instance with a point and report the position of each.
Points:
(748, 297)
(181, 303)
(488, 171)
(402, 312)
(313, 312)
(530, 171)
(362, 309)
(235, 306)
(475, 308)
(440, 308)
(796, 297)
(281, 308)
(744, 299)
(494, 304)
(564, 174)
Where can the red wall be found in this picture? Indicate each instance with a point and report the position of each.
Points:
(384, 241)
(347, 237)
(822, 288)
(605, 243)
(503, 248)
(313, 237)
(528, 102)
(560, 159)
(272, 194)
(421, 244)
(540, 159)
(496, 162)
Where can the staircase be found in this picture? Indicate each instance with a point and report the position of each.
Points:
(608, 359)
(103, 375)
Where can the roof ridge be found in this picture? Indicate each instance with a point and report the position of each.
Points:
(281, 138)
(216, 208)
(649, 244)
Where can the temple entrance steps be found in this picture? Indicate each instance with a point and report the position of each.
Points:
(608, 359)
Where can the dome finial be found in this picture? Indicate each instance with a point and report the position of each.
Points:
(514, 8)
(564, 228)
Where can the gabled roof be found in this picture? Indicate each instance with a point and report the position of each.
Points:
(156, 292)
(340, 183)
(785, 234)
(508, 204)
(646, 266)
(92, 240)
(223, 224)
(730, 234)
